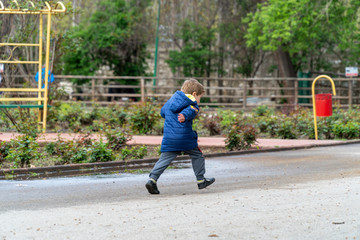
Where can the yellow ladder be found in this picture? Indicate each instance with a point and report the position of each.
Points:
(42, 92)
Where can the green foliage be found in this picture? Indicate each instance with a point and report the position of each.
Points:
(116, 116)
(304, 123)
(78, 155)
(194, 58)
(228, 118)
(350, 130)
(70, 114)
(116, 138)
(73, 151)
(263, 110)
(285, 129)
(22, 150)
(240, 129)
(50, 148)
(241, 137)
(268, 125)
(111, 37)
(80, 150)
(199, 123)
(212, 123)
(76, 117)
(100, 153)
(4, 150)
(275, 125)
(22, 120)
(143, 117)
(135, 152)
(307, 30)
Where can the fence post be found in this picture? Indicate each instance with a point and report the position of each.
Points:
(244, 94)
(142, 89)
(93, 90)
(296, 93)
(350, 93)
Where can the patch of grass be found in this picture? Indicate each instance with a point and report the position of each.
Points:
(137, 171)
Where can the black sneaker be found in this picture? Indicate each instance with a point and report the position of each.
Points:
(206, 182)
(151, 187)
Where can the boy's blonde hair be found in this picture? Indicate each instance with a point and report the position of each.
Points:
(192, 85)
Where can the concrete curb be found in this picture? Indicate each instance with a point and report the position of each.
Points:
(108, 167)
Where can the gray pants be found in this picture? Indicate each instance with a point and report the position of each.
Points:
(197, 160)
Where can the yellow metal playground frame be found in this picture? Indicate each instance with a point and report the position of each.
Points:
(313, 98)
(42, 92)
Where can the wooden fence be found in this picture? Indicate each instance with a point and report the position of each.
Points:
(240, 93)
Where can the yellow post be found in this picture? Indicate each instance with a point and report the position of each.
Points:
(313, 98)
(40, 65)
(47, 66)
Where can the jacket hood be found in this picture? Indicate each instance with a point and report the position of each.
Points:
(179, 101)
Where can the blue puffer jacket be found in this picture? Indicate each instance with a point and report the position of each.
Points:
(179, 136)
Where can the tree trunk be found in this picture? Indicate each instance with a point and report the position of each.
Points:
(224, 14)
(286, 70)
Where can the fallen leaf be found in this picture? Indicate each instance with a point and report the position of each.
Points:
(213, 235)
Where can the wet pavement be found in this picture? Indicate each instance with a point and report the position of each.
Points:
(299, 194)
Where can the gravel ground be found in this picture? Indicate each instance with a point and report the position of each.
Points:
(326, 209)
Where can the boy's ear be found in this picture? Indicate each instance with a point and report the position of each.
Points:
(194, 94)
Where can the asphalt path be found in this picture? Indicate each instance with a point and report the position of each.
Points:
(300, 194)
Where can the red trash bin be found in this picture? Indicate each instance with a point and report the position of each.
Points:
(323, 103)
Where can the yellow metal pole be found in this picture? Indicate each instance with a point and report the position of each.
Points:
(21, 90)
(40, 66)
(20, 62)
(47, 66)
(20, 44)
(20, 99)
(313, 98)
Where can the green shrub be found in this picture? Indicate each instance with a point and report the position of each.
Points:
(324, 126)
(135, 152)
(69, 115)
(50, 148)
(117, 117)
(4, 150)
(72, 151)
(22, 150)
(198, 124)
(270, 125)
(78, 155)
(241, 137)
(263, 110)
(100, 153)
(350, 130)
(22, 120)
(116, 138)
(143, 117)
(5, 122)
(212, 124)
(303, 123)
(285, 129)
(228, 118)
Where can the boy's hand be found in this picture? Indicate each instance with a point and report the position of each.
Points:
(181, 118)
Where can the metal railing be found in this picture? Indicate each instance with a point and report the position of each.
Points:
(240, 93)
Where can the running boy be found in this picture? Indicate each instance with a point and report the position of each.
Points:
(179, 112)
